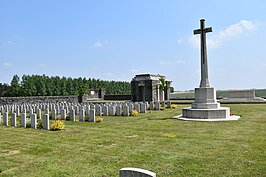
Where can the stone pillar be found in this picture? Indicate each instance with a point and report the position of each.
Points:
(14, 119)
(158, 93)
(81, 115)
(34, 121)
(92, 115)
(72, 115)
(23, 120)
(5, 118)
(45, 123)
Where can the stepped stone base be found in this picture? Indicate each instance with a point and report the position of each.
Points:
(219, 113)
(206, 108)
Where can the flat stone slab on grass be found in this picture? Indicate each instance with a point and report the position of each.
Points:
(230, 118)
(135, 172)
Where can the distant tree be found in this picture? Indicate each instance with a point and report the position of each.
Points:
(164, 85)
(172, 89)
(5, 90)
(28, 86)
(15, 86)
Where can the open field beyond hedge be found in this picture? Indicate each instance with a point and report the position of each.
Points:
(153, 141)
(219, 94)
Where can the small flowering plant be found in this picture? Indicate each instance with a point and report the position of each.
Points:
(57, 125)
(173, 106)
(169, 135)
(134, 113)
(99, 119)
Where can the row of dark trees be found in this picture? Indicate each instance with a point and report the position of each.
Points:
(42, 85)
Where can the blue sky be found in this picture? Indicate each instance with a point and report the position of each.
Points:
(116, 39)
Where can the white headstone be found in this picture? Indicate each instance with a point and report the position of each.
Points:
(63, 114)
(23, 120)
(105, 110)
(92, 115)
(5, 119)
(34, 121)
(125, 110)
(135, 172)
(118, 111)
(72, 115)
(46, 125)
(14, 119)
(54, 114)
(81, 115)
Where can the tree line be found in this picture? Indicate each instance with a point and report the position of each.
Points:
(42, 85)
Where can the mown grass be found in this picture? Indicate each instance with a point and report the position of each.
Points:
(100, 149)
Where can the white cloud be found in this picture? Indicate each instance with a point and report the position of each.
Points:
(10, 43)
(98, 44)
(134, 70)
(180, 61)
(180, 41)
(6, 64)
(164, 62)
(230, 32)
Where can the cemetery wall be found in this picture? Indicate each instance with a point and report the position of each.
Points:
(37, 99)
(117, 97)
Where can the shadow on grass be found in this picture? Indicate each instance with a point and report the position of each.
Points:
(167, 118)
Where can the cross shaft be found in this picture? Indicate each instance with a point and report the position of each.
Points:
(204, 61)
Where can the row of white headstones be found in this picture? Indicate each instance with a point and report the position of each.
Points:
(85, 112)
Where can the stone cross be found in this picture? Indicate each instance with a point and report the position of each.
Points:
(204, 62)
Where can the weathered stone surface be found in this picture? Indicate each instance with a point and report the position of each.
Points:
(46, 123)
(72, 116)
(14, 119)
(125, 110)
(92, 115)
(145, 87)
(205, 105)
(118, 111)
(81, 115)
(34, 121)
(23, 120)
(143, 108)
(136, 172)
(5, 118)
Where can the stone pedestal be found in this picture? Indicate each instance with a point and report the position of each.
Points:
(205, 107)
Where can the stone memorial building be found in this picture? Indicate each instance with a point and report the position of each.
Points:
(146, 87)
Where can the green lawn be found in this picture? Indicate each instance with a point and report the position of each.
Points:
(219, 94)
(89, 149)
